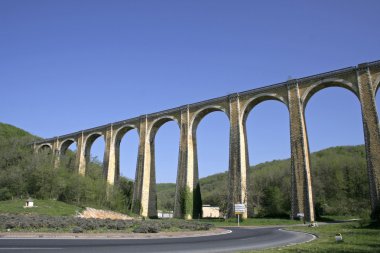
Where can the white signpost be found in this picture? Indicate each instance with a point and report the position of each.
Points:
(301, 216)
(239, 209)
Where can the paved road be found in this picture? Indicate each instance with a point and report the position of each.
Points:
(238, 239)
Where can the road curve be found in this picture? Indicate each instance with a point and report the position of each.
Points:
(239, 239)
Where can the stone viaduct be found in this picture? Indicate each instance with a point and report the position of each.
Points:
(362, 80)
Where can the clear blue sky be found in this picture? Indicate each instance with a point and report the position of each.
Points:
(71, 65)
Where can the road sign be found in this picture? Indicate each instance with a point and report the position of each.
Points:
(239, 208)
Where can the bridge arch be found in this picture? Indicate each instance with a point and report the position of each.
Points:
(45, 146)
(267, 139)
(339, 125)
(121, 131)
(156, 160)
(201, 113)
(65, 144)
(210, 132)
(326, 83)
(157, 123)
(256, 100)
(88, 142)
(68, 161)
(119, 135)
(90, 139)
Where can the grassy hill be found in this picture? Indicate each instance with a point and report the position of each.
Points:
(8, 131)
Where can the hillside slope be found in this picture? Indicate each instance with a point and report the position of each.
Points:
(8, 131)
(24, 173)
(339, 178)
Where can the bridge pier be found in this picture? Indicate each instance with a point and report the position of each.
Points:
(81, 156)
(238, 158)
(302, 197)
(144, 194)
(56, 154)
(111, 157)
(188, 202)
(371, 135)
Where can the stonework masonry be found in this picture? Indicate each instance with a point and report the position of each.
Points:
(362, 80)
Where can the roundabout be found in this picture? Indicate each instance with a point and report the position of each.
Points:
(235, 239)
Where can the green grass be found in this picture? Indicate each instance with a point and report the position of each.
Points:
(9, 131)
(251, 222)
(356, 238)
(42, 207)
(338, 218)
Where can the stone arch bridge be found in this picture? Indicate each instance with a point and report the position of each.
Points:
(362, 80)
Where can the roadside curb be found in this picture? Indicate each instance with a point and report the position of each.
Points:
(113, 236)
(291, 244)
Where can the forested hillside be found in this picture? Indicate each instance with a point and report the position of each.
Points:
(339, 177)
(24, 174)
(8, 132)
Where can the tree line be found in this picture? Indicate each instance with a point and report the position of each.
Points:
(339, 181)
(25, 174)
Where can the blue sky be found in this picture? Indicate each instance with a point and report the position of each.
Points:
(71, 65)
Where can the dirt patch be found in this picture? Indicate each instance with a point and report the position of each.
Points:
(102, 214)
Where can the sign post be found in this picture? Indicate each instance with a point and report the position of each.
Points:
(239, 209)
(301, 216)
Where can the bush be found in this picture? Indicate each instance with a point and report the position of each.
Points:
(77, 230)
(10, 225)
(80, 224)
(120, 225)
(5, 194)
(24, 224)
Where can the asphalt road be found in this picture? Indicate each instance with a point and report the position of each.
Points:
(239, 239)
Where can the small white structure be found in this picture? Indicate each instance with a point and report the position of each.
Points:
(209, 211)
(29, 202)
(339, 237)
(164, 214)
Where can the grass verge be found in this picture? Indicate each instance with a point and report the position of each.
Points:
(357, 237)
(251, 222)
(42, 207)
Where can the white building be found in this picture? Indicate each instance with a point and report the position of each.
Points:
(209, 211)
(29, 202)
(164, 214)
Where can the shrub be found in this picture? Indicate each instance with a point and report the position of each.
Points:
(10, 225)
(147, 228)
(110, 225)
(77, 230)
(120, 225)
(24, 224)
(5, 194)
